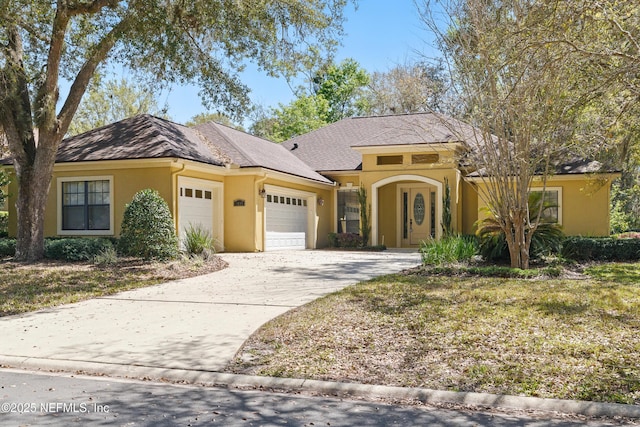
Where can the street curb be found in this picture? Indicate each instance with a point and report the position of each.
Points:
(209, 378)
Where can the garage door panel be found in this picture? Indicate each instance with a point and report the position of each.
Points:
(286, 222)
(196, 207)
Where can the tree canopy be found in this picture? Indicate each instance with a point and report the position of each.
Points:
(542, 82)
(221, 118)
(113, 100)
(203, 42)
(335, 91)
(408, 88)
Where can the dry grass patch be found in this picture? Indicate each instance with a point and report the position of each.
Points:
(558, 338)
(28, 287)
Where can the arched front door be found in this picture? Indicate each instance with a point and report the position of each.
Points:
(429, 204)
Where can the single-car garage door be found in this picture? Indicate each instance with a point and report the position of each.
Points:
(197, 207)
(286, 222)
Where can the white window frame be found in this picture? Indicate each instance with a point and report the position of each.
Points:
(551, 189)
(60, 231)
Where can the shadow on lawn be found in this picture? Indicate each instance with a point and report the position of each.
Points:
(628, 274)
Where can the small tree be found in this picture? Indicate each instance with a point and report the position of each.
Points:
(147, 228)
(522, 97)
(446, 210)
(365, 215)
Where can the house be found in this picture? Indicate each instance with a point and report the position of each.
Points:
(406, 161)
(254, 195)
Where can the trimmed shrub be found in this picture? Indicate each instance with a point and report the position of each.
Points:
(601, 249)
(75, 248)
(147, 228)
(448, 250)
(7, 247)
(348, 240)
(4, 223)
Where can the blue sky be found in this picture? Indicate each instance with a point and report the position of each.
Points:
(379, 35)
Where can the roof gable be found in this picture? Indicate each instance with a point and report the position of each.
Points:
(247, 150)
(149, 137)
(330, 148)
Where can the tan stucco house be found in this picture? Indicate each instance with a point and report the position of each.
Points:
(254, 195)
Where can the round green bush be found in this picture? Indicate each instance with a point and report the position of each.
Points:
(147, 228)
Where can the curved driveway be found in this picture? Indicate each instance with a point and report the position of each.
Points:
(193, 324)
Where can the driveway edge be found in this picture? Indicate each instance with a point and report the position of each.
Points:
(208, 378)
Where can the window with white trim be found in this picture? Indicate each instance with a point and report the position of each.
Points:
(85, 205)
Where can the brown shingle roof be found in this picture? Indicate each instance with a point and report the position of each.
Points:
(149, 137)
(250, 151)
(329, 148)
(140, 137)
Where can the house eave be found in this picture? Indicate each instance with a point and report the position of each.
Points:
(556, 177)
(411, 148)
(295, 179)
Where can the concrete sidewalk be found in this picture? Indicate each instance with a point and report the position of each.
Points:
(192, 324)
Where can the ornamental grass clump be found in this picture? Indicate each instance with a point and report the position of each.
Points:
(198, 241)
(147, 228)
(451, 249)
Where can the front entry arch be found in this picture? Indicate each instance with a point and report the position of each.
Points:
(414, 178)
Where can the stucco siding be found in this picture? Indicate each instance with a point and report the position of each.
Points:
(584, 204)
(241, 230)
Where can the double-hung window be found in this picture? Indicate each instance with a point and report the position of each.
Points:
(85, 206)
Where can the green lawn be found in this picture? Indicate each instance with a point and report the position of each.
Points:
(558, 338)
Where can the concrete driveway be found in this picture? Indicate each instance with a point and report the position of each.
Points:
(191, 324)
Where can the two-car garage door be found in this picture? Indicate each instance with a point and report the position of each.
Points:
(286, 221)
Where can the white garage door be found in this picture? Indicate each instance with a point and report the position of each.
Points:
(286, 222)
(196, 207)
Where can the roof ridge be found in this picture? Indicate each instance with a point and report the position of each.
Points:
(242, 151)
(212, 146)
(374, 116)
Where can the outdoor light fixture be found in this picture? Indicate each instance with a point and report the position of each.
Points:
(262, 193)
(321, 201)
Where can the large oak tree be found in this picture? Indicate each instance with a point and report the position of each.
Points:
(186, 41)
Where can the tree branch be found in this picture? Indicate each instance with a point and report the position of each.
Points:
(15, 105)
(81, 8)
(47, 95)
(81, 82)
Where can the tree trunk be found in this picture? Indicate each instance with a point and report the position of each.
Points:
(34, 181)
(517, 241)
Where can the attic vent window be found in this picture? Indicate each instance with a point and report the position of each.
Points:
(424, 158)
(389, 160)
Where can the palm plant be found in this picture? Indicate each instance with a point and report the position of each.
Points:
(546, 239)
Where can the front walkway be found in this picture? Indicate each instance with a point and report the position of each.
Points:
(192, 324)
